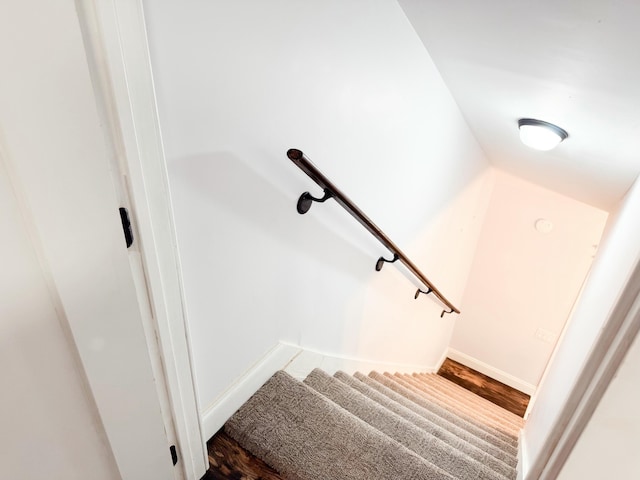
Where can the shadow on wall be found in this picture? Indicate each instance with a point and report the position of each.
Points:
(256, 272)
(254, 264)
(223, 180)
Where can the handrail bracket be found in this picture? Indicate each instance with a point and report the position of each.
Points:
(306, 200)
(444, 311)
(381, 261)
(419, 291)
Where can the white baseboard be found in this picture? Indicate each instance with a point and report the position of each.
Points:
(444, 356)
(492, 372)
(523, 459)
(239, 392)
(309, 359)
(297, 362)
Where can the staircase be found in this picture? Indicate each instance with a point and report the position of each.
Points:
(381, 426)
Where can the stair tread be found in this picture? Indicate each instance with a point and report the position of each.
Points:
(478, 420)
(473, 446)
(460, 405)
(416, 439)
(305, 436)
(445, 385)
(368, 427)
(435, 412)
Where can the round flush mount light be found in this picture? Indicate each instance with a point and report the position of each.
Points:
(539, 134)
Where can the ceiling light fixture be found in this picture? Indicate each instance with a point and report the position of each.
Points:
(540, 135)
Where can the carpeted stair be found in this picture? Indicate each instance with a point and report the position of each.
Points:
(380, 426)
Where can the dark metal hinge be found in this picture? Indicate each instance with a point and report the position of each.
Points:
(126, 226)
(174, 454)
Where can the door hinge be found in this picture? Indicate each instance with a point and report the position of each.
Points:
(126, 226)
(174, 454)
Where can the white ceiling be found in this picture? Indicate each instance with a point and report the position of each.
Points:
(575, 63)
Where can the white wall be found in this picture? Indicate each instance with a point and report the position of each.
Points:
(50, 426)
(618, 253)
(523, 280)
(349, 83)
(390, 314)
(608, 447)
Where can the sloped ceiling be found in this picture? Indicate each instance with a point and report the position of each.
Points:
(575, 63)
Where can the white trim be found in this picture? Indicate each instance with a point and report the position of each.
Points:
(523, 458)
(442, 360)
(615, 339)
(308, 359)
(123, 52)
(241, 390)
(492, 372)
(296, 361)
(556, 347)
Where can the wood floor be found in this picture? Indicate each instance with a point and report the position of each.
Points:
(228, 460)
(503, 395)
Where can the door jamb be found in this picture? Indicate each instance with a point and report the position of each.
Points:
(608, 352)
(120, 50)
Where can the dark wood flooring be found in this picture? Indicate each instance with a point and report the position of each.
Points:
(503, 395)
(228, 460)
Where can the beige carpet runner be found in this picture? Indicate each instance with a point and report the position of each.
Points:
(380, 426)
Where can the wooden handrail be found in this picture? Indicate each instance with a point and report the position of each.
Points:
(331, 191)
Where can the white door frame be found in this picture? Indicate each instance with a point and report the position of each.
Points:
(57, 152)
(600, 367)
(116, 39)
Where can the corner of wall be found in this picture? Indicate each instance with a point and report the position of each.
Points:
(492, 372)
(297, 362)
(221, 409)
(523, 458)
(309, 359)
(443, 357)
